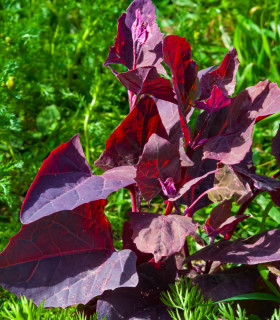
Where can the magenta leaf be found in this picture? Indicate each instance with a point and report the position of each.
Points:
(235, 140)
(261, 248)
(177, 56)
(126, 143)
(146, 80)
(160, 160)
(160, 235)
(216, 101)
(227, 284)
(143, 301)
(66, 258)
(224, 77)
(139, 40)
(65, 182)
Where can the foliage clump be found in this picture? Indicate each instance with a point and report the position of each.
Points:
(187, 140)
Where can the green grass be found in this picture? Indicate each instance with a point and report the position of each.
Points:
(53, 85)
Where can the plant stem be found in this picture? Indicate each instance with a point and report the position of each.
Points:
(86, 127)
(187, 254)
(169, 208)
(276, 175)
(133, 198)
(265, 215)
(189, 214)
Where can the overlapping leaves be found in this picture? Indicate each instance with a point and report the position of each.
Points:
(64, 252)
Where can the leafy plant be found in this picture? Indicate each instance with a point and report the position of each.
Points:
(188, 142)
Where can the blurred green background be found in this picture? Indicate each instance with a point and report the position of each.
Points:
(53, 84)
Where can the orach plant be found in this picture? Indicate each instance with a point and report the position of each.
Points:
(64, 252)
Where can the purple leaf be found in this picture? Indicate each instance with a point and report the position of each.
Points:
(227, 284)
(139, 40)
(216, 102)
(160, 160)
(259, 181)
(168, 187)
(228, 183)
(261, 248)
(218, 215)
(235, 140)
(146, 80)
(142, 302)
(160, 235)
(129, 244)
(170, 117)
(66, 258)
(65, 182)
(228, 227)
(126, 143)
(224, 77)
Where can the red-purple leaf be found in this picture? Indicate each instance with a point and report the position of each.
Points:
(218, 216)
(146, 80)
(121, 52)
(261, 248)
(142, 302)
(126, 143)
(227, 284)
(227, 228)
(160, 235)
(216, 102)
(139, 40)
(129, 244)
(65, 182)
(259, 181)
(235, 141)
(66, 258)
(177, 56)
(160, 160)
(170, 117)
(224, 77)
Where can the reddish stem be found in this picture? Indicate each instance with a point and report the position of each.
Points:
(133, 198)
(277, 174)
(169, 208)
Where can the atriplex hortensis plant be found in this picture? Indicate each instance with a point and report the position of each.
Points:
(64, 252)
